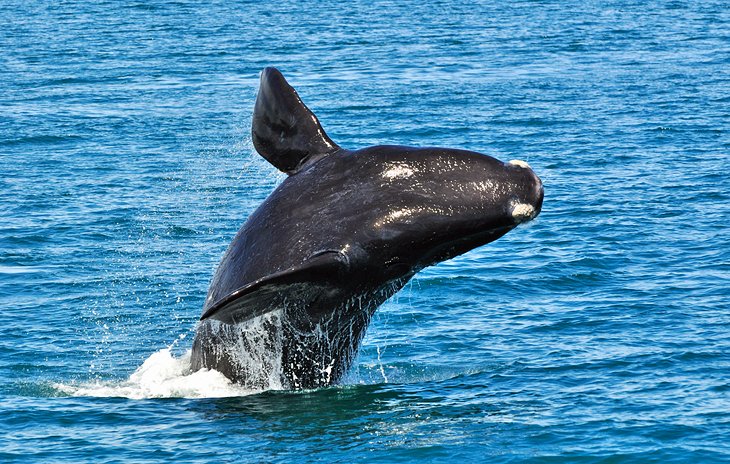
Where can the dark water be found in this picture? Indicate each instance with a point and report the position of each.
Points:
(598, 333)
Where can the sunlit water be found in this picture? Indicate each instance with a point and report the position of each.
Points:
(598, 333)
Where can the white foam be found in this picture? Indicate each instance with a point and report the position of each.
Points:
(162, 375)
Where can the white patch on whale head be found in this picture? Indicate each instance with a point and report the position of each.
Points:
(519, 163)
(398, 171)
(522, 212)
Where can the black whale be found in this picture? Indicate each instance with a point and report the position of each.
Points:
(294, 293)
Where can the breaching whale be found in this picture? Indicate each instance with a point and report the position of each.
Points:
(293, 295)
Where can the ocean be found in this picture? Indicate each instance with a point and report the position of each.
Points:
(600, 332)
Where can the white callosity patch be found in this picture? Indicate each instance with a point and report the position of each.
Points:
(398, 171)
(162, 375)
(522, 212)
(519, 163)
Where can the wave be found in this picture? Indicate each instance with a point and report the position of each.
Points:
(162, 375)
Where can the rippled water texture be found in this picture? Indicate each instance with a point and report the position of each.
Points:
(598, 333)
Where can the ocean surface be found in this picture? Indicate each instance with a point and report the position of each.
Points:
(600, 332)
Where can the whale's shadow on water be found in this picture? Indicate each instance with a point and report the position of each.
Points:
(324, 405)
(380, 418)
(323, 418)
(332, 416)
(346, 403)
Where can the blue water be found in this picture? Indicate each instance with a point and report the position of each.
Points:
(598, 333)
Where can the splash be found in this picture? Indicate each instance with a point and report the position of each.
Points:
(162, 375)
(251, 350)
(284, 348)
(266, 352)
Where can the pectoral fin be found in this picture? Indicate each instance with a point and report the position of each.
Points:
(284, 130)
(299, 285)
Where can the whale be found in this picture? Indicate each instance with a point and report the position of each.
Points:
(292, 297)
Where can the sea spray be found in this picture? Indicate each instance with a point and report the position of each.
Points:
(252, 349)
(292, 346)
(162, 375)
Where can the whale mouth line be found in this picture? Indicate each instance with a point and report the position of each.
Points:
(522, 212)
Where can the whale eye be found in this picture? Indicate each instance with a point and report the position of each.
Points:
(393, 268)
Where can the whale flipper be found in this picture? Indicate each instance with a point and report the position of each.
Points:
(303, 283)
(284, 130)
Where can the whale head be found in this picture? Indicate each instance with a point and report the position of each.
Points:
(426, 205)
(405, 207)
